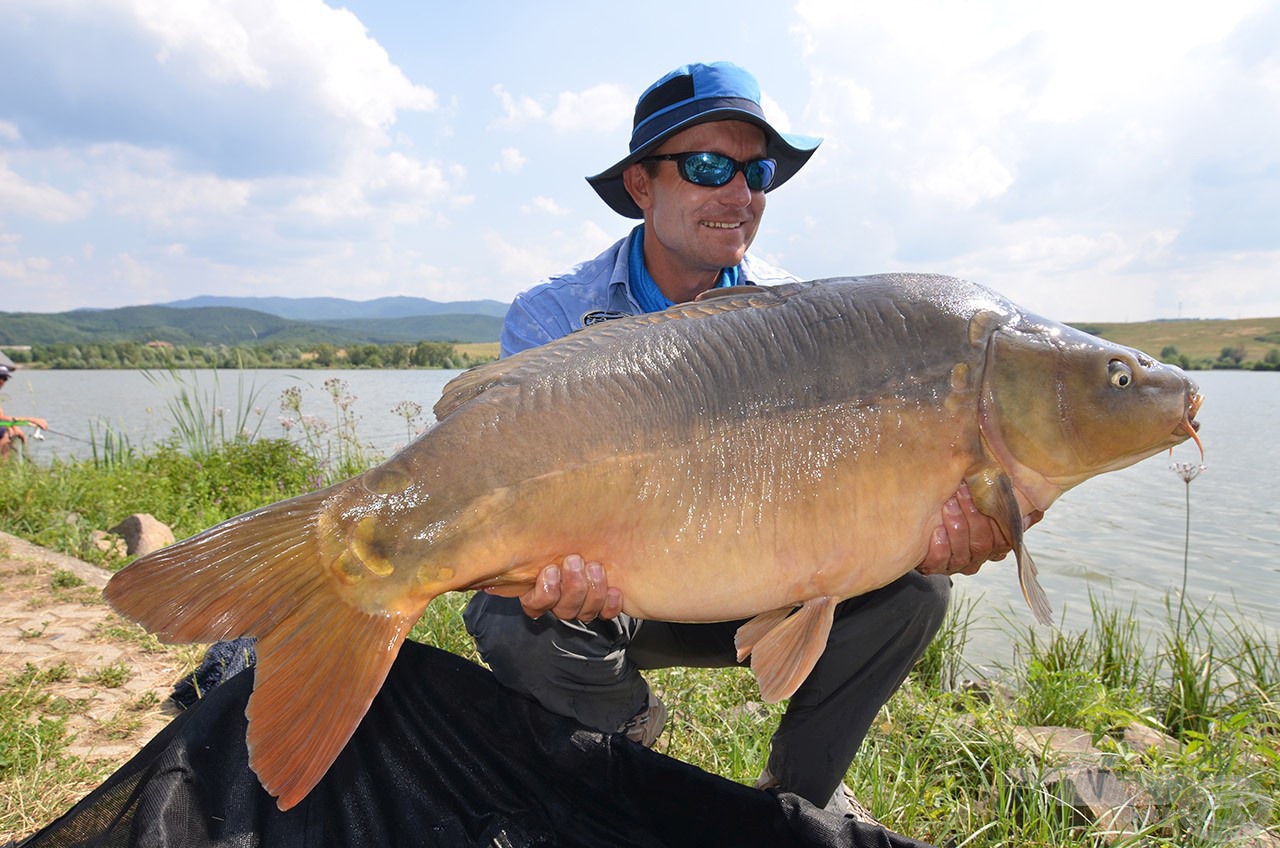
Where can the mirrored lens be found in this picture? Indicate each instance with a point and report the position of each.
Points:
(709, 169)
(759, 173)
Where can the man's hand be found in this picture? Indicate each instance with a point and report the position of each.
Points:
(965, 538)
(576, 590)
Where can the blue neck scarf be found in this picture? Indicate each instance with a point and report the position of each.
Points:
(646, 291)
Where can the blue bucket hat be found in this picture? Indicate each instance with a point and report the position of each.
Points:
(692, 95)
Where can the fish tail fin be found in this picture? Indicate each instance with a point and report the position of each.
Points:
(315, 677)
(784, 648)
(321, 658)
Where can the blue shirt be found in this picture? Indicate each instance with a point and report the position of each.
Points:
(596, 290)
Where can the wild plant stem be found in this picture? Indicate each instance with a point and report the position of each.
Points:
(1186, 551)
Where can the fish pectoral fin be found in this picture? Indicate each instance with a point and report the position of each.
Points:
(782, 658)
(993, 495)
(1032, 592)
(315, 678)
(750, 634)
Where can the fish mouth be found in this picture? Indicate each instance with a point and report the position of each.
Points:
(1189, 426)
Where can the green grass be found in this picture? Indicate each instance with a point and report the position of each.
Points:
(939, 763)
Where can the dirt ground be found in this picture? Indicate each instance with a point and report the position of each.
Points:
(52, 613)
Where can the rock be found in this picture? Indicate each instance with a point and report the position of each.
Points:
(113, 546)
(1056, 744)
(989, 691)
(1113, 808)
(1142, 739)
(142, 534)
(1254, 836)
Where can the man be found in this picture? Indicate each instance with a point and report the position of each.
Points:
(702, 156)
(9, 432)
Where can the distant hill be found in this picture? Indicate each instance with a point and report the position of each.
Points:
(233, 325)
(328, 309)
(1196, 338)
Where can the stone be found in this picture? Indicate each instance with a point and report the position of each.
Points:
(989, 691)
(1112, 807)
(113, 546)
(1254, 836)
(1142, 739)
(1056, 744)
(142, 534)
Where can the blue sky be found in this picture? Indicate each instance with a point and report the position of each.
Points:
(1107, 161)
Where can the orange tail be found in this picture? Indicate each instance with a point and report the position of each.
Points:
(320, 659)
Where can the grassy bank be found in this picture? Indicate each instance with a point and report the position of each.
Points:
(1200, 343)
(942, 763)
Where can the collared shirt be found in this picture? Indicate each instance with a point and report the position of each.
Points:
(597, 290)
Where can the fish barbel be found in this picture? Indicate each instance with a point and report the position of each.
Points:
(744, 455)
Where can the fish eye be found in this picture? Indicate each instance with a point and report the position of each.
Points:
(1119, 374)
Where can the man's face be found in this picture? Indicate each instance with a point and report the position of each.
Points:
(698, 228)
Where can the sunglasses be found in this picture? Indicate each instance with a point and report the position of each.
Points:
(716, 169)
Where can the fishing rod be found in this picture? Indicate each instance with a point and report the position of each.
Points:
(38, 435)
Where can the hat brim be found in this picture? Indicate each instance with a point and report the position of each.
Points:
(790, 151)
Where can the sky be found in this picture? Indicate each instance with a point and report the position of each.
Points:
(1093, 161)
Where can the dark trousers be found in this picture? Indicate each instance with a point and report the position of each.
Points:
(591, 672)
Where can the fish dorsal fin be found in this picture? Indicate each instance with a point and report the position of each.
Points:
(727, 291)
(471, 383)
(784, 648)
(539, 360)
(993, 494)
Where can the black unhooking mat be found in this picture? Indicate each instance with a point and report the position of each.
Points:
(445, 757)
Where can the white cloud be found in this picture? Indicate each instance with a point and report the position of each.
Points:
(601, 109)
(23, 198)
(9, 132)
(149, 186)
(547, 205)
(395, 187)
(517, 110)
(510, 161)
(961, 178)
(523, 265)
(302, 46)
(598, 109)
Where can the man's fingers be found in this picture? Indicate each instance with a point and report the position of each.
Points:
(597, 589)
(573, 589)
(612, 604)
(984, 540)
(956, 524)
(545, 593)
(939, 554)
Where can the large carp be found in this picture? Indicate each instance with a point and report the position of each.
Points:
(743, 455)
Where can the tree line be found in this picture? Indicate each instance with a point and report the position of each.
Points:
(129, 354)
(1231, 357)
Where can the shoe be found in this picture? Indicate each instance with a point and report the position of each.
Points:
(645, 727)
(842, 801)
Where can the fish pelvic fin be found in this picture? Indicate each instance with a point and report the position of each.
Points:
(993, 494)
(320, 657)
(784, 648)
(753, 631)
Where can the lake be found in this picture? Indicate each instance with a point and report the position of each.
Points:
(1119, 536)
